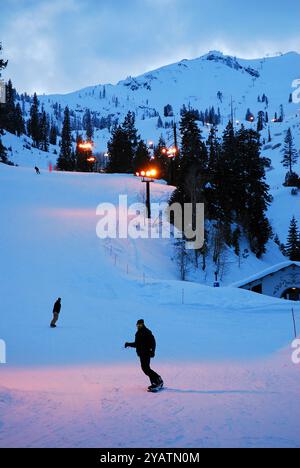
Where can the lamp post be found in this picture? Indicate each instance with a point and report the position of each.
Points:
(148, 177)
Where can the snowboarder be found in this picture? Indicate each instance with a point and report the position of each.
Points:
(56, 312)
(145, 346)
(37, 170)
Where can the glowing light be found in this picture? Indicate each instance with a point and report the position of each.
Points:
(153, 172)
(172, 152)
(87, 146)
(143, 173)
(91, 160)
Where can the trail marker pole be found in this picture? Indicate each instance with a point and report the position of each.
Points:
(294, 321)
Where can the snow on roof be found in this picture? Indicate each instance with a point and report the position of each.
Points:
(267, 272)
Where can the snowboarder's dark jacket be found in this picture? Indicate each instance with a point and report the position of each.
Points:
(57, 307)
(145, 343)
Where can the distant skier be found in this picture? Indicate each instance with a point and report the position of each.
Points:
(145, 346)
(37, 170)
(56, 312)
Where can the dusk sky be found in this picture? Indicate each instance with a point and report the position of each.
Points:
(56, 46)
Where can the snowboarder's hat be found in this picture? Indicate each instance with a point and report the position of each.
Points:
(140, 322)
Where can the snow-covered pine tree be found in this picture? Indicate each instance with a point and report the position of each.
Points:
(292, 247)
(290, 153)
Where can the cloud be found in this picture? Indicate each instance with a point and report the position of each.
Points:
(56, 46)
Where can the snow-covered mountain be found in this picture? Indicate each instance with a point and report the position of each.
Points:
(214, 80)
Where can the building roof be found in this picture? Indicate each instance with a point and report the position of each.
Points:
(264, 273)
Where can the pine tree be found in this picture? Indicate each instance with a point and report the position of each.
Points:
(44, 132)
(213, 208)
(269, 136)
(53, 134)
(87, 125)
(161, 161)
(3, 155)
(19, 121)
(34, 122)
(260, 121)
(120, 152)
(66, 160)
(9, 108)
(282, 116)
(159, 123)
(131, 131)
(290, 153)
(193, 150)
(225, 175)
(249, 116)
(252, 196)
(191, 171)
(292, 247)
(142, 157)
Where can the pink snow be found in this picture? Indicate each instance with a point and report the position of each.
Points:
(203, 405)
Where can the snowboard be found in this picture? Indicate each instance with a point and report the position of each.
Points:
(155, 390)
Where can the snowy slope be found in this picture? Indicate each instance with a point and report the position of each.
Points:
(50, 249)
(228, 381)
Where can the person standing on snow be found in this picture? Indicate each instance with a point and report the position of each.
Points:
(145, 346)
(56, 312)
(37, 170)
